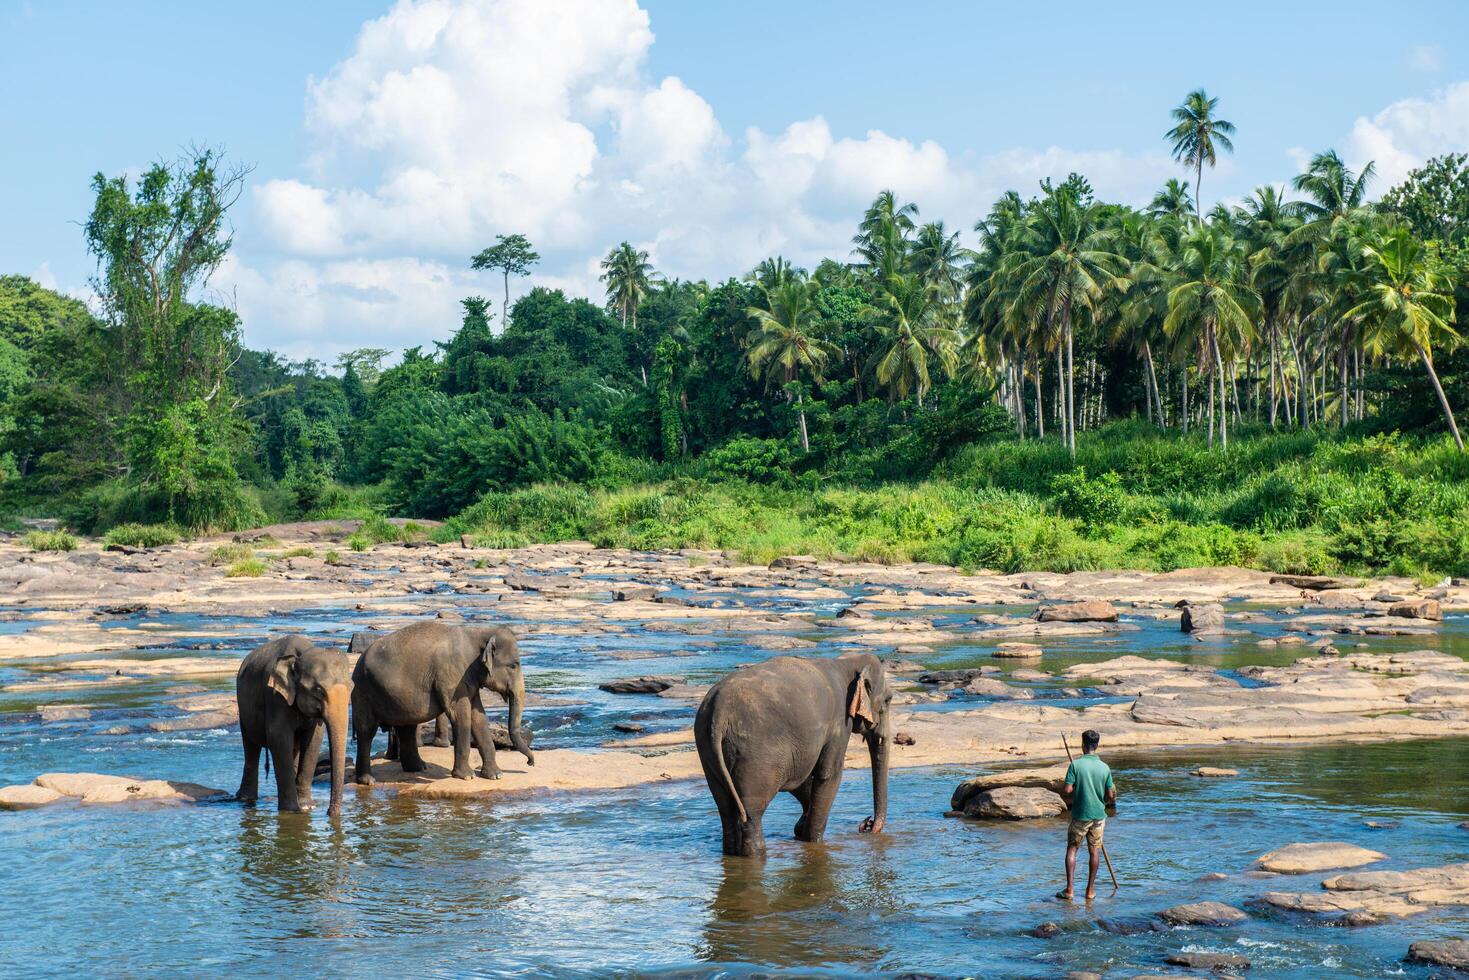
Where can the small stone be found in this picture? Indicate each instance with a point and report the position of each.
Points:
(1208, 961)
(1330, 650)
(626, 726)
(1017, 651)
(793, 561)
(1203, 914)
(630, 593)
(1379, 824)
(1453, 953)
(1209, 772)
(991, 688)
(1359, 919)
(1046, 930)
(448, 615)
(1214, 876)
(903, 738)
(852, 612)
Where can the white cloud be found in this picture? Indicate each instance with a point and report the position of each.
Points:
(1406, 133)
(1426, 58)
(452, 121)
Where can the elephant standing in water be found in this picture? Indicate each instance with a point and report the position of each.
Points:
(784, 725)
(358, 646)
(413, 675)
(286, 691)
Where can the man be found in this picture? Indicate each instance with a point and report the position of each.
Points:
(1088, 791)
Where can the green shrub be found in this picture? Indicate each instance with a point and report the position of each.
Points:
(359, 542)
(332, 558)
(228, 553)
(49, 541)
(1096, 502)
(301, 552)
(245, 568)
(141, 536)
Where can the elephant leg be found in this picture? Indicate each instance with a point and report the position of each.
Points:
(408, 756)
(310, 751)
(283, 754)
(441, 731)
(459, 716)
(390, 754)
(751, 834)
(818, 794)
(479, 728)
(364, 726)
(250, 779)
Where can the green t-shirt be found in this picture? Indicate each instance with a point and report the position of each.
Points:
(1092, 778)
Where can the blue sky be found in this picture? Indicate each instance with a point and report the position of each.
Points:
(711, 134)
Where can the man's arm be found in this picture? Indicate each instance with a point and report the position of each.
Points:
(1068, 788)
(1111, 795)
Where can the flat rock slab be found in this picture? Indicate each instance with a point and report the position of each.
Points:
(1078, 612)
(1453, 953)
(1014, 803)
(652, 684)
(991, 688)
(1314, 583)
(1017, 650)
(1209, 772)
(27, 797)
(1208, 961)
(1295, 859)
(1381, 895)
(91, 787)
(1203, 914)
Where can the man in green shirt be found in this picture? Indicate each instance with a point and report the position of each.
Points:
(1088, 791)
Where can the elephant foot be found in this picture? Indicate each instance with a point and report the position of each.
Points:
(458, 773)
(365, 779)
(414, 765)
(441, 742)
(243, 798)
(489, 774)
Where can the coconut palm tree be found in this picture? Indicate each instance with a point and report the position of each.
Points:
(783, 345)
(628, 275)
(1172, 201)
(916, 333)
(1063, 265)
(881, 241)
(939, 259)
(1211, 294)
(1197, 138)
(1268, 221)
(1408, 305)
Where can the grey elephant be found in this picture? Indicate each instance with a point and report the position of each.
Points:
(289, 690)
(413, 675)
(784, 725)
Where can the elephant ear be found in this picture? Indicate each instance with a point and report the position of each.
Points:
(861, 704)
(488, 656)
(282, 677)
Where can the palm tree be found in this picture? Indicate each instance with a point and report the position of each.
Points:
(628, 275)
(1198, 137)
(1172, 201)
(1409, 302)
(1268, 221)
(1062, 267)
(1212, 294)
(881, 241)
(782, 342)
(772, 272)
(915, 332)
(939, 259)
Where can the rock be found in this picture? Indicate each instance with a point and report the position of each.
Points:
(450, 616)
(1051, 778)
(629, 727)
(91, 787)
(1295, 859)
(1014, 803)
(27, 797)
(466, 541)
(991, 688)
(1417, 609)
(1314, 583)
(852, 612)
(1386, 894)
(650, 684)
(1098, 611)
(793, 561)
(1046, 930)
(1026, 674)
(65, 712)
(903, 738)
(1359, 919)
(1209, 772)
(632, 593)
(198, 721)
(954, 676)
(1379, 825)
(1207, 618)
(362, 640)
(1214, 876)
(1452, 953)
(1203, 914)
(1017, 650)
(1389, 597)
(124, 609)
(1208, 961)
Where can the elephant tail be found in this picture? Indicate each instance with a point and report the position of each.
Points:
(716, 735)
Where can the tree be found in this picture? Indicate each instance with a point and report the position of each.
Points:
(513, 256)
(1172, 201)
(783, 344)
(1197, 138)
(366, 361)
(939, 259)
(916, 332)
(1434, 199)
(628, 275)
(1408, 305)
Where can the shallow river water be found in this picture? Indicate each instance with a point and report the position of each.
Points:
(632, 881)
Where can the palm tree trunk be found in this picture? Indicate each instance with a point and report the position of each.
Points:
(801, 414)
(1185, 396)
(1342, 370)
(1443, 399)
(1061, 391)
(1274, 366)
(1153, 374)
(1040, 405)
(1224, 407)
(1070, 384)
(1148, 396)
(1209, 359)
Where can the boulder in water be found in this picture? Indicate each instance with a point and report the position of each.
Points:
(27, 797)
(631, 593)
(1017, 650)
(1203, 914)
(1417, 609)
(1217, 962)
(651, 684)
(1294, 859)
(1452, 953)
(1207, 618)
(1095, 611)
(1014, 803)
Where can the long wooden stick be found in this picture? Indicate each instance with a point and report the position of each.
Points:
(1115, 886)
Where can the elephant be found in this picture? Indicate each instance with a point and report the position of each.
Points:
(415, 674)
(783, 725)
(287, 690)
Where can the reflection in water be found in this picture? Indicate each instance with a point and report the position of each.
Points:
(300, 867)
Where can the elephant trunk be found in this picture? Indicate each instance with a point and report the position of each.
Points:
(337, 700)
(879, 743)
(516, 702)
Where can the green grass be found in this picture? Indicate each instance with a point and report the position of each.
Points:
(359, 542)
(332, 558)
(301, 552)
(1134, 498)
(227, 554)
(245, 568)
(141, 536)
(49, 541)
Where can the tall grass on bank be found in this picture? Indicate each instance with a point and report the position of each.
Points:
(1295, 503)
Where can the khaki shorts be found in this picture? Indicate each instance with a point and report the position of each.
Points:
(1091, 830)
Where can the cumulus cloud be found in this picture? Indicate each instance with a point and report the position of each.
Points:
(1406, 133)
(452, 121)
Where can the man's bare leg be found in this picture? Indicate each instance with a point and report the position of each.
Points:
(1070, 891)
(1093, 860)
